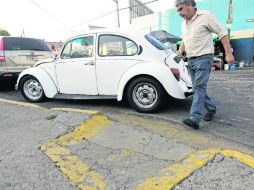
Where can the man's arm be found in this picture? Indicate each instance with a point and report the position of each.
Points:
(229, 56)
(215, 27)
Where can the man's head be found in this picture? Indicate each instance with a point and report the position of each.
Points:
(186, 8)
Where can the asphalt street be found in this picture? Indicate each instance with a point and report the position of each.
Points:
(232, 91)
(107, 145)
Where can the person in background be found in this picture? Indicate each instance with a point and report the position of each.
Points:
(197, 29)
(53, 49)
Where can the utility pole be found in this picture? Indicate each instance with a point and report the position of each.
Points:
(23, 33)
(252, 56)
(118, 19)
(230, 17)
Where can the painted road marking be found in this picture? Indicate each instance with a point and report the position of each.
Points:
(82, 177)
(90, 112)
(78, 173)
(243, 158)
(32, 105)
(20, 103)
(171, 176)
(177, 132)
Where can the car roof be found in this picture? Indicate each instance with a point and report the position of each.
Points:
(19, 37)
(127, 31)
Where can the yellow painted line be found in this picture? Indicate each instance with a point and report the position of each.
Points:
(20, 103)
(171, 176)
(77, 172)
(243, 158)
(91, 112)
(31, 105)
(126, 153)
(86, 131)
(176, 132)
(171, 130)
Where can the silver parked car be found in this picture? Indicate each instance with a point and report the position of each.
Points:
(17, 54)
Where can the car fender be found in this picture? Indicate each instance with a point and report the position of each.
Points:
(161, 73)
(48, 85)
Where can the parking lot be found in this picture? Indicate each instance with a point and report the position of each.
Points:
(61, 144)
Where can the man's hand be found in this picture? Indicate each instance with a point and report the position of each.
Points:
(229, 58)
(181, 50)
(179, 53)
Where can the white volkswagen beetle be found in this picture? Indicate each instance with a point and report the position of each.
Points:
(109, 64)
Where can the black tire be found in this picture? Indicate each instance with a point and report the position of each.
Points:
(145, 94)
(31, 89)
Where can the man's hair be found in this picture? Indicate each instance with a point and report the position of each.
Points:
(185, 2)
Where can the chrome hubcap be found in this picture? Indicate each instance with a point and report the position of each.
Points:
(33, 89)
(145, 95)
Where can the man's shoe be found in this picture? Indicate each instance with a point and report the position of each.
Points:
(208, 116)
(191, 123)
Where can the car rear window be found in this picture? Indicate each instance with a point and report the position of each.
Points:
(156, 43)
(25, 44)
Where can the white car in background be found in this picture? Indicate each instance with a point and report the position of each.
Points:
(109, 64)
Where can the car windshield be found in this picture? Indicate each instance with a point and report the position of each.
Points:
(156, 43)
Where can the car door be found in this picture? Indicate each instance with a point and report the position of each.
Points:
(116, 54)
(75, 69)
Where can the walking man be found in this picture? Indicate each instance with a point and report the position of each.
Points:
(197, 29)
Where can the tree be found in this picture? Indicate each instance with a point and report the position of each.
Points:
(4, 32)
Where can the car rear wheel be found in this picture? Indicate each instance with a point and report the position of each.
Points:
(145, 94)
(31, 89)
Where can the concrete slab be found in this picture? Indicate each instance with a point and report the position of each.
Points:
(222, 173)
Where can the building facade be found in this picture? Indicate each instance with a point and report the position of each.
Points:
(242, 28)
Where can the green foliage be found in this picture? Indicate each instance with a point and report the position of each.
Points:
(51, 117)
(4, 32)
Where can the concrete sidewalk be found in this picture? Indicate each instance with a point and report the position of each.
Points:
(22, 131)
(71, 149)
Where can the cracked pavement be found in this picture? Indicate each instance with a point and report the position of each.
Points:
(134, 147)
(222, 173)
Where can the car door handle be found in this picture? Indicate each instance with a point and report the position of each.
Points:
(89, 63)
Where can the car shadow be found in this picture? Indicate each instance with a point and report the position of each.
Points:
(123, 106)
(7, 87)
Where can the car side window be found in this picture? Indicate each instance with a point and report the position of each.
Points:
(113, 45)
(78, 48)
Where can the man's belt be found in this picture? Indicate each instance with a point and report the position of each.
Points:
(201, 56)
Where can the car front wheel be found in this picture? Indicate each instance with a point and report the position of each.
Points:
(31, 89)
(145, 94)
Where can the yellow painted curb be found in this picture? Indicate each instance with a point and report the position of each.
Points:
(243, 158)
(20, 103)
(32, 105)
(171, 176)
(77, 172)
(90, 112)
(86, 131)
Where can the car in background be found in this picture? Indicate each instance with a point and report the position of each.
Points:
(110, 64)
(17, 54)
